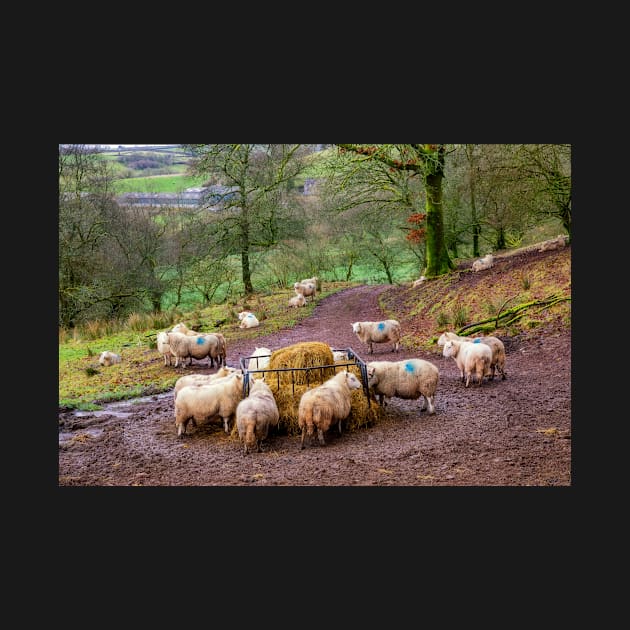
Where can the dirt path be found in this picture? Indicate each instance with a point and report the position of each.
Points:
(514, 432)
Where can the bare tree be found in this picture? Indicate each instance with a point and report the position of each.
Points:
(255, 211)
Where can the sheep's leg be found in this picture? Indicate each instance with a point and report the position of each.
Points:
(320, 437)
(226, 423)
(339, 427)
(467, 378)
(424, 403)
(181, 428)
(370, 348)
(303, 436)
(431, 405)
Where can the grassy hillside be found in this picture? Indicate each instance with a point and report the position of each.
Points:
(450, 302)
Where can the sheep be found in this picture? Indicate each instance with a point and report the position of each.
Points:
(554, 243)
(469, 357)
(201, 402)
(378, 332)
(255, 414)
(262, 362)
(496, 345)
(418, 282)
(182, 328)
(163, 348)
(202, 379)
(248, 320)
(108, 358)
(483, 263)
(407, 379)
(297, 300)
(198, 347)
(314, 280)
(307, 289)
(321, 406)
(340, 355)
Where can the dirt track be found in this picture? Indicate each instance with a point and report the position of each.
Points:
(512, 432)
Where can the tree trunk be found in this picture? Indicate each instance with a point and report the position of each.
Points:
(438, 261)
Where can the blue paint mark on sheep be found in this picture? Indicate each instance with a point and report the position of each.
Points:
(381, 326)
(249, 315)
(200, 340)
(409, 367)
(477, 340)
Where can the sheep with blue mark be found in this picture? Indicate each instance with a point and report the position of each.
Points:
(199, 347)
(496, 345)
(202, 379)
(248, 319)
(384, 331)
(407, 379)
(472, 359)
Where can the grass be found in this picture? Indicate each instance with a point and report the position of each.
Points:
(158, 184)
(83, 383)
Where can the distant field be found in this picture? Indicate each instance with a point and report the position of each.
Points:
(157, 184)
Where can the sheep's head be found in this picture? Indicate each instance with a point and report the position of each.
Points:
(353, 381)
(356, 327)
(451, 348)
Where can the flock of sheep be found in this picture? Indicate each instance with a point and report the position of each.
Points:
(200, 397)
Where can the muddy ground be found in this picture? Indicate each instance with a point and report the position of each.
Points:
(513, 432)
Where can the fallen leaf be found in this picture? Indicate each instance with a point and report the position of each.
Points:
(550, 431)
(425, 477)
(258, 476)
(384, 470)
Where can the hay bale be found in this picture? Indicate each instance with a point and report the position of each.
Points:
(288, 400)
(310, 354)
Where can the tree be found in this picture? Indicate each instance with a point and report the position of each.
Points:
(424, 161)
(255, 212)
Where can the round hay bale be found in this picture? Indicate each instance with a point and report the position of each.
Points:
(309, 354)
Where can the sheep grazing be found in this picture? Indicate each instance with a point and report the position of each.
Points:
(329, 402)
(203, 402)
(471, 358)
(483, 263)
(248, 320)
(340, 355)
(262, 361)
(307, 289)
(202, 379)
(108, 358)
(163, 348)
(378, 332)
(496, 345)
(407, 379)
(197, 347)
(297, 300)
(255, 414)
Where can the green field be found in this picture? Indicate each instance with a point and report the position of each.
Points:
(157, 184)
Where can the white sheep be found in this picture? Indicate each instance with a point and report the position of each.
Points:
(471, 358)
(163, 348)
(262, 361)
(297, 300)
(314, 280)
(495, 344)
(182, 328)
(248, 320)
(202, 379)
(191, 347)
(407, 379)
(108, 358)
(483, 263)
(329, 402)
(418, 282)
(307, 289)
(554, 243)
(255, 414)
(339, 355)
(203, 402)
(378, 332)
